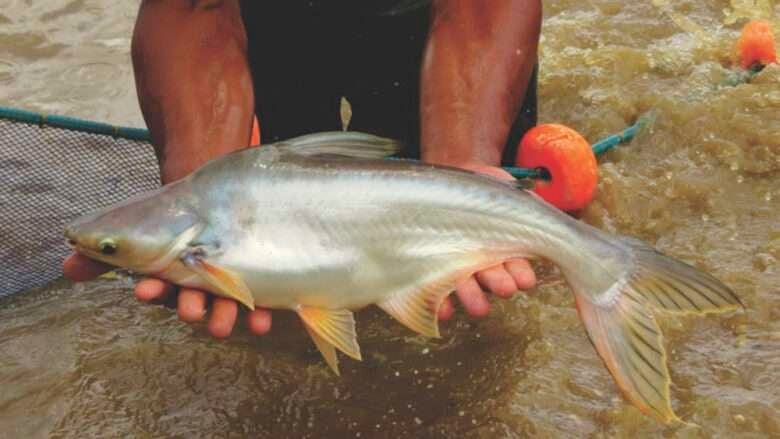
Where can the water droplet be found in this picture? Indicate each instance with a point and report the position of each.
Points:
(417, 420)
(461, 413)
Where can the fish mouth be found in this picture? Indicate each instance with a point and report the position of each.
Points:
(71, 240)
(74, 245)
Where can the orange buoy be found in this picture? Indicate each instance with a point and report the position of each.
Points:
(757, 44)
(255, 137)
(568, 158)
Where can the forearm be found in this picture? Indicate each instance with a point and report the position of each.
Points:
(479, 59)
(193, 81)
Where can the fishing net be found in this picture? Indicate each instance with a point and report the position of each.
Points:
(51, 175)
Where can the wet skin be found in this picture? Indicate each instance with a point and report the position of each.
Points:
(470, 93)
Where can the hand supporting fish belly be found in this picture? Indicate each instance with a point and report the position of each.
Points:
(320, 225)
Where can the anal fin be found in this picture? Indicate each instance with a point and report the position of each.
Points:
(331, 329)
(419, 310)
(326, 349)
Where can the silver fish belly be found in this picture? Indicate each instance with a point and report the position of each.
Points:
(345, 233)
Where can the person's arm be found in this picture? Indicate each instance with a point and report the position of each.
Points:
(195, 91)
(478, 62)
(193, 81)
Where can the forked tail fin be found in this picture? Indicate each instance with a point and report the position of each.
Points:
(621, 325)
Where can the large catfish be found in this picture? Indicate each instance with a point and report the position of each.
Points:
(322, 225)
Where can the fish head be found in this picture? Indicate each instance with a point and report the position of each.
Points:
(144, 234)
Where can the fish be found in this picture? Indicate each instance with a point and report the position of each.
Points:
(324, 225)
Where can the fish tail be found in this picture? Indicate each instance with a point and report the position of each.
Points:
(621, 325)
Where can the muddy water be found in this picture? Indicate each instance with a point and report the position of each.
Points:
(69, 57)
(89, 361)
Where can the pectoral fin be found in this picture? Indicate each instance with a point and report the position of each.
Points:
(221, 279)
(331, 328)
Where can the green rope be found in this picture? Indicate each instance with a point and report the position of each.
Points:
(740, 77)
(73, 124)
(646, 120)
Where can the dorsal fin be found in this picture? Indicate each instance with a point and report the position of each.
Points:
(341, 143)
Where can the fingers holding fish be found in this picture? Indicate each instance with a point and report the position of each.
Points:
(223, 317)
(473, 298)
(79, 268)
(191, 305)
(498, 281)
(259, 321)
(446, 310)
(522, 273)
(493, 171)
(502, 280)
(153, 290)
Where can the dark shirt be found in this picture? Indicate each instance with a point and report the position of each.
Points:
(305, 55)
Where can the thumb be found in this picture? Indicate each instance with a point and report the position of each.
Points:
(79, 268)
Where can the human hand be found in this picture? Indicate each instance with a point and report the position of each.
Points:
(502, 280)
(191, 303)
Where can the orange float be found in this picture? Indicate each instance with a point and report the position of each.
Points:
(569, 160)
(756, 45)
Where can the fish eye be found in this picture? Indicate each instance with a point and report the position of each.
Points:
(108, 247)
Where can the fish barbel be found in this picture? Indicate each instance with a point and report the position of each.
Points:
(322, 226)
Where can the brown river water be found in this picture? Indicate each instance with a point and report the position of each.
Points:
(88, 360)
